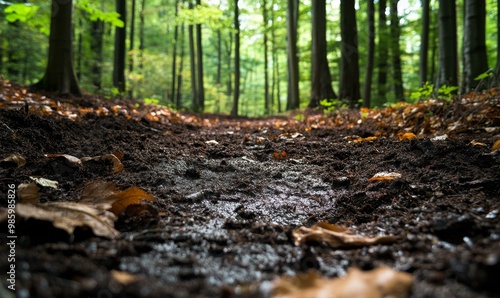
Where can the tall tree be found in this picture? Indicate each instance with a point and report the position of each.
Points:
(174, 54)
(383, 54)
(131, 44)
(236, 94)
(349, 61)
(424, 41)
(96, 47)
(497, 67)
(141, 34)
(276, 68)
(60, 74)
(199, 64)
(120, 52)
(371, 54)
(474, 46)
(292, 10)
(396, 52)
(321, 79)
(448, 57)
(192, 62)
(267, 105)
(178, 100)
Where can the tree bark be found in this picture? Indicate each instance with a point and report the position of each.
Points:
(119, 55)
(371, 55)
(474, 46)
(192, 62)
(267, 104)
(174, 55)
(349, 61)
(396, 52)
(131, 46)
(448, 57)
(321, 79)
(199, 64)
(497, 67)
(178, 102)
(424, 44)
(60, 74)
(96, 47)
(383, 55)
(141, 35)
(293, 61)
(236, 94)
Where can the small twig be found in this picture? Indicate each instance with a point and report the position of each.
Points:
(7, 127)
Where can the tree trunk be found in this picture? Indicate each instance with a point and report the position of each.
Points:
(349, 62)
(174, 55)
(321, 79)
(497, 67)
(80, 52)
(131, 45)
(192, 62)
(293, 61)
(434, 46)
(424, 43)
(60, 74)
(474, 46)
(178, 103)
(448, 57)
(267, 103)
(383, 55)
(396, 52)
(120, 52)
(96, 47)
(276, 72)
(236, 95)
(371, 55)
(199, 55)
(141, 35)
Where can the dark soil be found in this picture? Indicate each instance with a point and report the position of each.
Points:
(227, 210)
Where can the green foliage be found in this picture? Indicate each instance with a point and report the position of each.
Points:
(329, 105)
(25, 13)
(300, 117)
(149, 101)
(427, 91)
(96, 13)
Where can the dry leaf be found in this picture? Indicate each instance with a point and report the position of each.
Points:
(280, 155)
(45, 182)
(16, 158)
(406, 136)
(496, 145)
(117, 164)
(106, 194)
(475, 143)
(124, 278)
(28, 193)
(367, 139)
(70, 158)
(68, 215)
(336, 236)
(384, 176)
(377, 283)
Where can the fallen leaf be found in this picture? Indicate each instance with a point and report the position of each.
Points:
(367, 139)
(406, 136)
(336, 236)
(15, 158)
(280, 155)
(496, 145)
(69, 215)
(117, 164)
(70, 158)
(45, 182)
(377, 283)
(475, 143)
(124, 278)
(212, 142)
(28, 193)
(106, 194)
(385, 176)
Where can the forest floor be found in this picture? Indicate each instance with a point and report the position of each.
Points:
(225, 197)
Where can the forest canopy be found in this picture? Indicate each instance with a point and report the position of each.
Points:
(183, 53)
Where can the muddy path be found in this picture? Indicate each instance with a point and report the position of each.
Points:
(230, 193)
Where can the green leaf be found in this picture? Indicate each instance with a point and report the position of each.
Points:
(484, 75)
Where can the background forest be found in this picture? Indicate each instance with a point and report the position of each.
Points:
(260, 57)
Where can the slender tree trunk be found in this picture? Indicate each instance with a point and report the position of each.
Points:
(293, 61)
(131, 46)
(383, 54)
(321, 79)
(424, 44)
(119, 56)
(236, 95)
(434, 46)
(192, 62)
(474, 46)
(199, 55)
(396, 52)
(141, 35)
(497, 67)
(448, 57)
(178, 102)
(275, 81)
(230, 70)
(96, 47)
(60, 74)
(371, 55)
(80, 52)
(174, 55)
(349, 63)
(267, 103)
